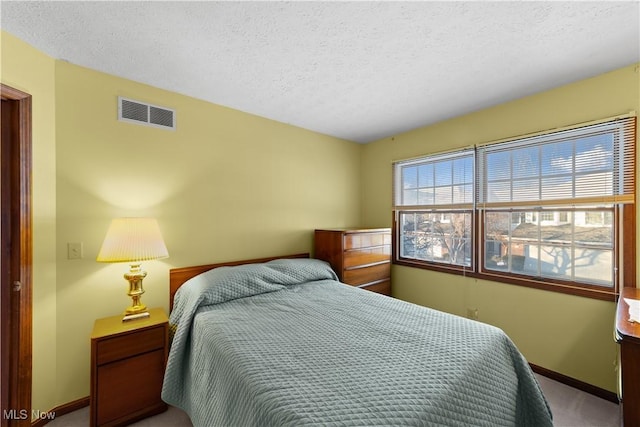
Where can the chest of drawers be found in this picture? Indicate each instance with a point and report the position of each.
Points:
(360, 257)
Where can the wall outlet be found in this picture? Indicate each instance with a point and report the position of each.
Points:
(472, 313)
(74, 250)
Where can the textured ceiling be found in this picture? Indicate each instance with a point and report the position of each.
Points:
(356, 70)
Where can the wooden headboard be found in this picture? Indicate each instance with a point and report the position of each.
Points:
(177, 276)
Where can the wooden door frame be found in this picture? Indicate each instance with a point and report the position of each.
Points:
(16, 258)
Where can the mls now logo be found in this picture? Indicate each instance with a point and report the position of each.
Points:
(23, 414)
(15, 414)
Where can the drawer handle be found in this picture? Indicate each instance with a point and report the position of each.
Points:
(373, 264)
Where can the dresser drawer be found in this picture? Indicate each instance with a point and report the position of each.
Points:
(383, 287)
(126, 345)
(356, 257)
(362, 275)
(365, 240)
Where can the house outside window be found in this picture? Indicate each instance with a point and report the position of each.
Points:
(552, 210)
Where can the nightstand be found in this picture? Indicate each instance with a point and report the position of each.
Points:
(128, 360)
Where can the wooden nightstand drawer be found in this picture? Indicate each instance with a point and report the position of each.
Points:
(130, 344)
(137, 381)
(360, 276)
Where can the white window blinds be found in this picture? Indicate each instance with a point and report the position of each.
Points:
(585, 165)
(438, 181)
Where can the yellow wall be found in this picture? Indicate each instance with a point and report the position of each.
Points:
(30, 71)
(224, 185)
(567, 334)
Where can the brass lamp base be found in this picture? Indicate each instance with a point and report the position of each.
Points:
(137, 309)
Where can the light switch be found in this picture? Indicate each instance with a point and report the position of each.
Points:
(74, 250)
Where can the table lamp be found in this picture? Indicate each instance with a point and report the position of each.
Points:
(133, 240)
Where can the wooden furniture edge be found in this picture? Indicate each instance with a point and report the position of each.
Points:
(355, 230)
(575, 383)
(624, 328)
(627, 335)
(177, 276)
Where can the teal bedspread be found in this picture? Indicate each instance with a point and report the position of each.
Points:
(284, 344)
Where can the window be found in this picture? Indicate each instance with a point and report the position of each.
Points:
(573, 251)
(552, 210)
(428, 236)
(436, 194)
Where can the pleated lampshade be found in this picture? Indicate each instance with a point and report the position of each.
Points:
(131, 240)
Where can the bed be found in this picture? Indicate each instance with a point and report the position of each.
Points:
(280, 342)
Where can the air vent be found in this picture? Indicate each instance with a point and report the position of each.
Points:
(145, 114)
